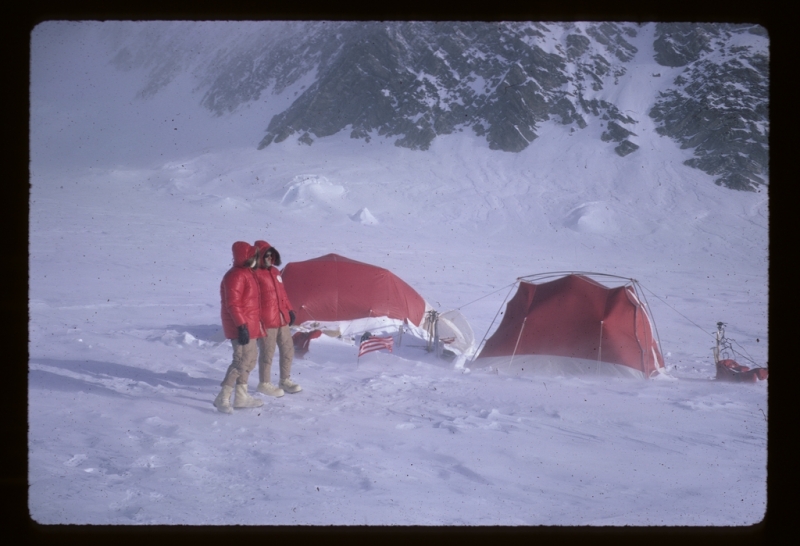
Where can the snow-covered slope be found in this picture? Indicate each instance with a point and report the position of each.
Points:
(136, 199)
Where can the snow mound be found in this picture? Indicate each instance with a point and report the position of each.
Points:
(173, 338)
(310, 189)
(364, 216)
(181, 177)
(592, 217)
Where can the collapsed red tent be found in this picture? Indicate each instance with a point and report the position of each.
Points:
(730, 370)
(727, 368)
(574, 324)
(335, 288)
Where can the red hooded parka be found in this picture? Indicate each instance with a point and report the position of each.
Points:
(275, 304)
(239, 294)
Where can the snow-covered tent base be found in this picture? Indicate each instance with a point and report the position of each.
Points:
(354, 328)
(552, 365)
(455, 334)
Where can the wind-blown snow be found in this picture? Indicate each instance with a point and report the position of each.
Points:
(135, 204)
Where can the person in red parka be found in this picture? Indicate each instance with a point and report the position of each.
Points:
(276, 316)
(241, 323)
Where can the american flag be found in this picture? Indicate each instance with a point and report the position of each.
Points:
(371, 343)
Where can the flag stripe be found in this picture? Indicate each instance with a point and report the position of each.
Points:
(369, 347)
(375, 344)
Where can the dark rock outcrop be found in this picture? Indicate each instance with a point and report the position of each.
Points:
(413, 81)
(719, 105)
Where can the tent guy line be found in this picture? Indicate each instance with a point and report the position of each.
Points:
(681, 314)
(487, 295)
(499, 309)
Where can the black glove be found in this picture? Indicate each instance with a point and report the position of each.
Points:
(244, 335)
(291, 318)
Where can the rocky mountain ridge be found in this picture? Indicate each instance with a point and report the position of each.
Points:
(412, 81)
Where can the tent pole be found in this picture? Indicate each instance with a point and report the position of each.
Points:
(599, 348)
(639, 292)
(478, 348)
(521, 328)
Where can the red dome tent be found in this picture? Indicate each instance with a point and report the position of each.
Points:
(335, 288)
(574, 325)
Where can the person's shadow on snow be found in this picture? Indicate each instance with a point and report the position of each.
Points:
(103, 378)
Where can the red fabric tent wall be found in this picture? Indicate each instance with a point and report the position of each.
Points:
(333, 287)
(577, 317)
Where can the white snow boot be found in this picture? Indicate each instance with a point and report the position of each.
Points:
(223, 400)
(243, 400)
(289, 386)
(270, 390)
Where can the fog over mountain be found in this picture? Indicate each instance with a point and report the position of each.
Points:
(416, 80)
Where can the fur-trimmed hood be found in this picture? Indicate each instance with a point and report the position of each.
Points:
(263, 247)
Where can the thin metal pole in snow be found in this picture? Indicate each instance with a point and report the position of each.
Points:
(358, 354)
(719, 335)
(432, 329)
(436, 344)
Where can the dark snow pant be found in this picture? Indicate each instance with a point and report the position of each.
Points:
(282, 337)
(244, 361)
